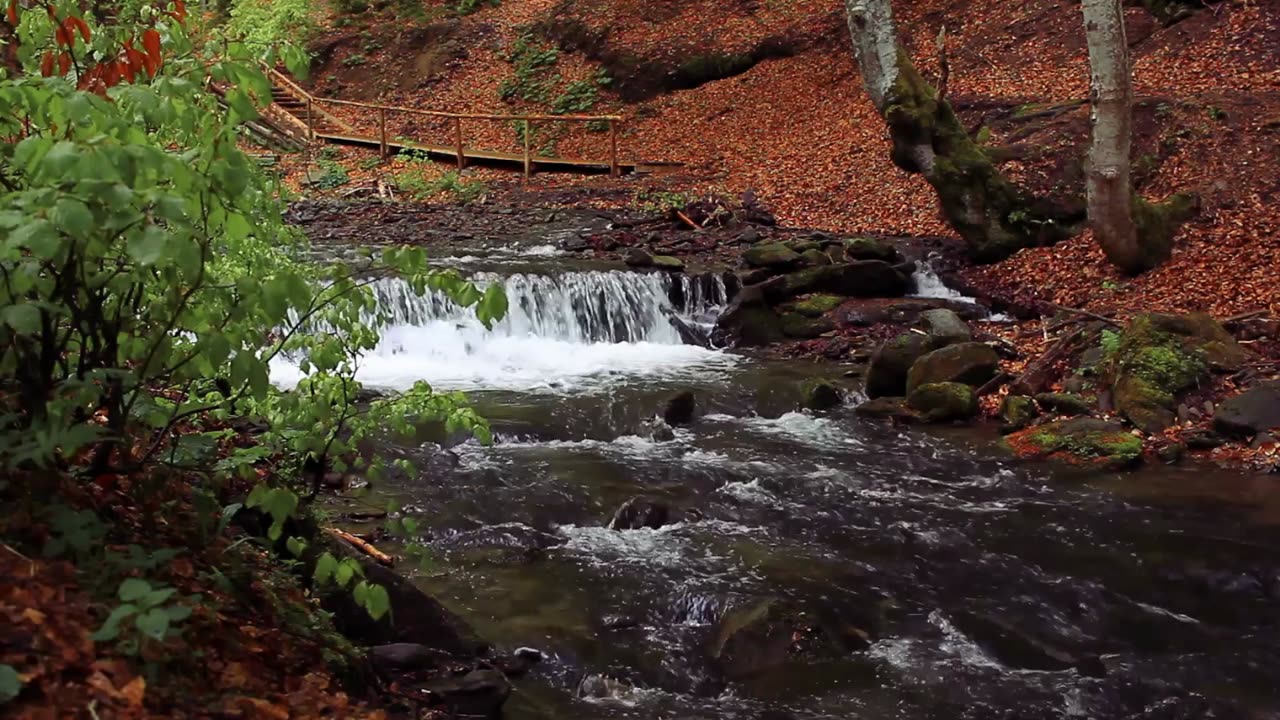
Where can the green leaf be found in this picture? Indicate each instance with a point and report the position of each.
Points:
(177, 613)
(110, 629)
(346, 570)
(296, 546)
(133, 588)
(10, 683)
(326, 566)
(156, 597)
(24, 319)
(38, 236)
(377, 603)
(148, 247)
(154, 623)
(73, 217)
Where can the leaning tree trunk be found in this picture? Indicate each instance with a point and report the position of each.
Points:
(994, 218)
(1107, 172)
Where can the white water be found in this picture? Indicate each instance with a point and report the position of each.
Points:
(561, 332)
(929, 285)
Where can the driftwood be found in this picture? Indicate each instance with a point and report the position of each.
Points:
(1037, 374)
(994, 383)
(363, 546)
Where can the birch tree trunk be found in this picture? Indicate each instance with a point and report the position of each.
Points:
(1108, 187)
(994, 217)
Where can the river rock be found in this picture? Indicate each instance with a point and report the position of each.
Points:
(891, 363)
(795, 325)
(600, 687)
(863, 248)
(668, 262)
(771, 255)
(657, 430)
(476, 694)
(638, 258)
(1017, 412)
(680, 409)
(1160, 356)
(945, 327)
(405, 656)
(904, 311)
(1079, 441)
(1023, 647)
(749, 320)
(1065, 403)
(894, 408)
(821, 394)
(862, 278)
(816, 305)
(639, 513)
(969, 363)
(752, 638)
(944, 402)
(814, 257)
(1254, 411)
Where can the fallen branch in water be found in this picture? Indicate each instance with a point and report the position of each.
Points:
(363, 546)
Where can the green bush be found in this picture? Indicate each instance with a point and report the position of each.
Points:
(533, 61)
(267, 23)
(355, 60)
(412, 182)
(466, 7)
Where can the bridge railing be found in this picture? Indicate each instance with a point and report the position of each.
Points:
(314, 112)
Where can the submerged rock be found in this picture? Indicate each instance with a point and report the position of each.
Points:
(969, 363)
(821, 395)
(891, 363)
(1254, 411)
(752, 638)
(639, 513)
(477, 694)
(944, 402)
(680, 409)
(1023, 647)
(1079, 441)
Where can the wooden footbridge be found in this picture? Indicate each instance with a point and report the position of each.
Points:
(310, 119)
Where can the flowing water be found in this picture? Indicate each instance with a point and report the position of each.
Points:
(939, 579)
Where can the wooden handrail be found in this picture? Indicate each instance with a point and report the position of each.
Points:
(470, 116)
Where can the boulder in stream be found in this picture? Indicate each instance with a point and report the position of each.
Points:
(969, 363)
(891, 363)
(749, 320)
(638, 258)
(945, 327)
(1017, 412)
(821, 394)
(680, 409)
(639, 513)
(944, 402)
(771, 255)
(477, 694)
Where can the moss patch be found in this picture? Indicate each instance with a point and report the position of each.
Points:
(816, 305)
(1083, 441)
(944, 402)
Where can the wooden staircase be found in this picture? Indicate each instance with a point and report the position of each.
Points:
(308, 120)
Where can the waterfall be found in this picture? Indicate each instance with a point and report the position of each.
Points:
(559, 330)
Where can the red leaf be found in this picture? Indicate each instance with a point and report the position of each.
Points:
(13, 13)
(62, 37)
(64, 63)
(151, 43)
(180, 10)
(46, 64)
(80, 25)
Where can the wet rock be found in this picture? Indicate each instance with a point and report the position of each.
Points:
(1063, 403)
(668, 262)
(1172, 453)
(944, 402)
(968, 363)
(1201, 439)
(814, 257)
(749, 236)
(1076, 385)
(891, 363)
(756, 276)
(1079, 441)
(601, 686)
(639, 513)
(1023, 648)
(477, 694)
(871, 249)
(863, 278)
(405, 656)
(805, 246)
(821, 395)
(894, 408)
(795, 325)
(749, 320)
(638, 258)
(680, 409)
(816, 305)
(945, 327)
(1160, 356)
(689, 334)
(1017, 412)
(751, 639)
(657, 430)
(1254, 411)
(904, 311)
(771, 255)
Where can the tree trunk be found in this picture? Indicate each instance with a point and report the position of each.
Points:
(1107, 173)
(994, 217)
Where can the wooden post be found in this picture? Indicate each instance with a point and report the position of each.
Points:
(384, 148)
(614, 170)
(528, 138)
(311, 128)
(457, 139)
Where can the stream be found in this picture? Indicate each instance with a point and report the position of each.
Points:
(936, 577)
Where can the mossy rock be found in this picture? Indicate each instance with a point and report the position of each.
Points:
(945, 326)
(804, 246)
(944, 402)
(969, 363)
(891, 363)
(816, 305)
(749, 321)
(1158, 357)
(771, 255)
(870, 249)
(1064, 403)
(1017, 412)
(814, 258)
(667, 262)
(864, 278)
(821, 394)
(799, 326)
(1079, 441)
(882, 408)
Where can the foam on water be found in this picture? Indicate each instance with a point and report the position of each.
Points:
(929, 285)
